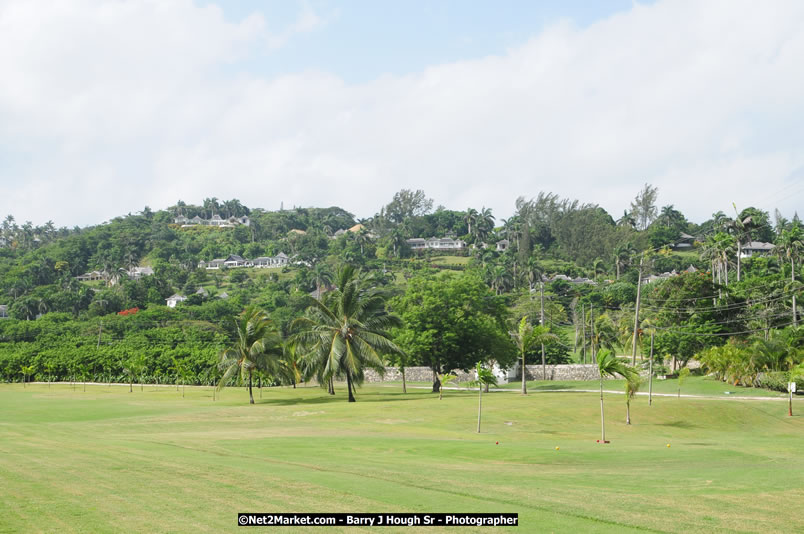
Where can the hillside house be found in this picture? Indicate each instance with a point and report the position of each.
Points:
(756, 248)
(685, 242)
(211, 264)
(235, 260)
(268, 262)
(437, 243)
(3, 311)
(135, 273)
(94, 275)
(172, 300)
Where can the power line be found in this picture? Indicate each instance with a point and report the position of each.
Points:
(705, 334)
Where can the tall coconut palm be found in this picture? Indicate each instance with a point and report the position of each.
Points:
(608, 365)
(485, 223)
(471, 218)
(258, 347)
(740, 228)
(347, 332)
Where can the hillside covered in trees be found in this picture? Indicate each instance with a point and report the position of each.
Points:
(723, 291)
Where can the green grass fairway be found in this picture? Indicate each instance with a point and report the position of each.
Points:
(693, 385)
(112, 461)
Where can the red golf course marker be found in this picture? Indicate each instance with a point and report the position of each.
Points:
(607, 441)
(496, 442)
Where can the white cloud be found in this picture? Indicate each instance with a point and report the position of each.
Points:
(105, 108)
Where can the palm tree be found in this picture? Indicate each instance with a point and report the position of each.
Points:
(49, 367)
(27, 370)
(740, 228)
(445, 379)
(258, 347)
(290, 365)
(362, 238)
(534, 271)
(609, 365)
(522, 337)
(134, 367)
(484, 378)
(346, 332)
(322, 276)
(471, 218)
(485, 223)
(622, 255)
(632, 383)
(500, 279)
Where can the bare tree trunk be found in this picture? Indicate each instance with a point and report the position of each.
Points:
(524, 386)
(436, 383)
(404, 385)
(250, 394)
(349, 386)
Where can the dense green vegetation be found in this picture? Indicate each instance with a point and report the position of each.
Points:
(106, 460)
(736, 314)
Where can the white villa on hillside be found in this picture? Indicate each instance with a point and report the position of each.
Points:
(438, 243)
(215, 221)
(267, 262)
(135, 273)
(174, 299)
(234, 261)
(94, 275)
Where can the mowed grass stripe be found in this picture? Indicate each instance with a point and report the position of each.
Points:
(164, 463)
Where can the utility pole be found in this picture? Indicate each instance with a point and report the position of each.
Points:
(650, 375)
(793, 279)
(592, 333)
(583, 332)
(636, 312)
(541, 321)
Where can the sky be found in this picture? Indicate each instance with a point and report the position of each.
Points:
(110, 106)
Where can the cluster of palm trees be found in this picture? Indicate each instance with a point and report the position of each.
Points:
(727, 243)
(480, 223)
(27, 236)
(342, 334)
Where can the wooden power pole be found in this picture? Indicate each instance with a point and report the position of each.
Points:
(636, 313)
